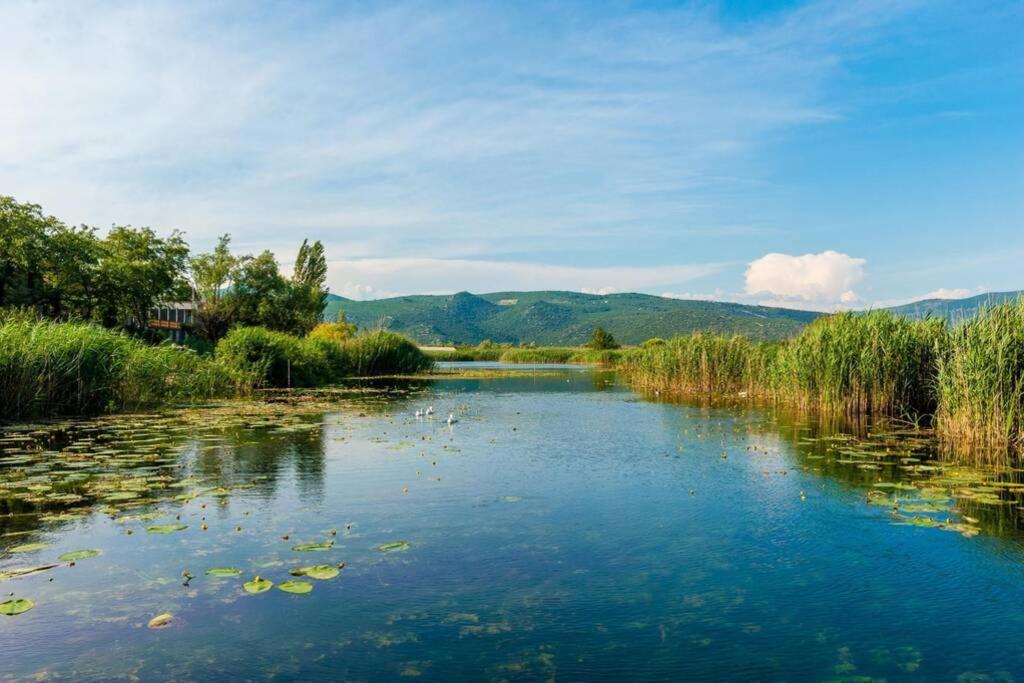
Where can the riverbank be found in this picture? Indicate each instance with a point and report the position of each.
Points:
(52, 368)
(967, 381)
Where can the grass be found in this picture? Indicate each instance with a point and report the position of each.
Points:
(281, 360)
(980, 385)
(848, 363)
(49, 368)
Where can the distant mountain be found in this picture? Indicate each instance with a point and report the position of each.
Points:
(562, 318)
(954, 310)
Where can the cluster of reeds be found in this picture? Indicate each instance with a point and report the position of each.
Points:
(875, 363)
(283, 360)
(49, 368)
(980, 386)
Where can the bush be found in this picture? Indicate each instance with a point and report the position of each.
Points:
(277, 359)
(49, 368)
(384, 353)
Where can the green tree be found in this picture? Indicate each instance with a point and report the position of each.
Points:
(213, 272)
(136, 270)
(601, 340)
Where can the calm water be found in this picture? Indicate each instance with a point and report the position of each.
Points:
(564, 528)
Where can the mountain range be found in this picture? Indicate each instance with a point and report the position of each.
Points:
(568, 318)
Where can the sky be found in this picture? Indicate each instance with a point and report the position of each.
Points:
(823, 155)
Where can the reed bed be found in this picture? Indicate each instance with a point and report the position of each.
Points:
(49, 368)
(981, 386)
(865, 363)
(282, 360)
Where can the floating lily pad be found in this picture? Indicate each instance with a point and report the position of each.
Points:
(257, 585)
(14, 607)
(311, 547)
(223, 571)
(297, 587)
(166, 528)
(321, 572)
(396, 545)
(161, 620)
(29, 547)
(24, 571)
(77, 555)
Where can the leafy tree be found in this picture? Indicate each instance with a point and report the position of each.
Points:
(337, 332)
(212, 273)
(602, 340)
(136, 270)
(308, 283)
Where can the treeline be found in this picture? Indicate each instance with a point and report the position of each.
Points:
(63, 272)
(74, 310)
(967, 380)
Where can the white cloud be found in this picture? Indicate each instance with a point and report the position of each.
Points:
(375, 278)
(719, 295)
(825, 279)
(944, 293)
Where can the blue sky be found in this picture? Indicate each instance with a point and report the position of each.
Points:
(809, 154)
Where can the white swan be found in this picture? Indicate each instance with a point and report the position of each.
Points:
(451, 419)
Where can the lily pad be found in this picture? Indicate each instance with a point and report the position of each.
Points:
(311, 547)
(29, 547)
(320, 572)
(24, 571)
(161, 620)
(14, 607)
(296, 587)
(166, 528)
(396, 545)
(257, 585)
(223, 571)
(77, 555)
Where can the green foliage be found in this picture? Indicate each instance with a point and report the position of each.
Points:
(63, 272)
(544, 354)
(384, 353)
(871, 363)
(602, 340)
(276, 358)
(563, 318)
(981, 384)
(212, 273)
(50, 368)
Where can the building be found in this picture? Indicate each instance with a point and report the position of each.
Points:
(171, 318)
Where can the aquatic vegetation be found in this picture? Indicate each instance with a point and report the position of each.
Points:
(223, 571)
(313, 547)
(28, 547)
(257, 585)
(394, 546)
(847, 363)
(49, 368)
(161, 620)
(15, 607)
(166, 528)
(77, 555)
(980, 384)
(296, 587)
(321, 572)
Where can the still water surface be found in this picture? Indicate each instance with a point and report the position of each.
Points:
(564, 528)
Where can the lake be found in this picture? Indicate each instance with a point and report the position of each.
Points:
(563, 528)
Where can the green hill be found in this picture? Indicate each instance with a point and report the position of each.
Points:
(954, 310)
(562, 318)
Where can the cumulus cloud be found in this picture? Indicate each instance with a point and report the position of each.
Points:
(827, 278)
(945, 293)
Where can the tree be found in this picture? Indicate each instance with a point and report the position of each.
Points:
(136, 270)
(212, 273)
(309, 295)
(602, 340)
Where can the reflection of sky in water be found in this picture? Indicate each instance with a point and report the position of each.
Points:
(562, 528)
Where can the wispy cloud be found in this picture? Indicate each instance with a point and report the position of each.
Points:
(375, 278)
(406, 120)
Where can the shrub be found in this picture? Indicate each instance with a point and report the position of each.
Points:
(275, 358)
(384, 353)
